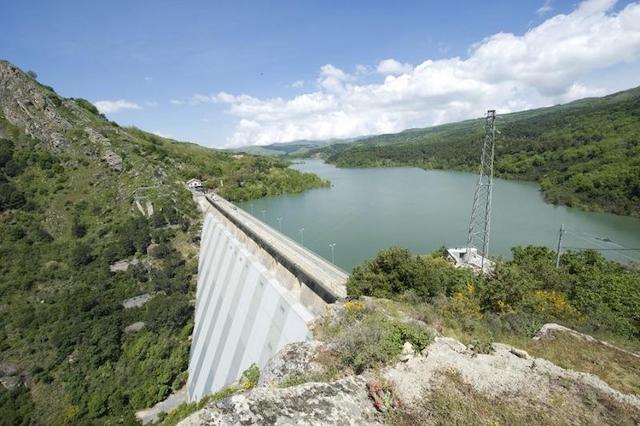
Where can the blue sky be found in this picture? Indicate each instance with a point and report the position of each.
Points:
(234, 73)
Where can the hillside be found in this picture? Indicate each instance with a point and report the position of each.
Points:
(420, 342)
(91, 216)
(584, 154)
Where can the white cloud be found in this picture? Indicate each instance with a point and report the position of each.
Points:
(297, 84)
(164, 135)
(548, 64)
(177, 102)
(363, 69)
(546, 7)
(393, 67)
(107, 107)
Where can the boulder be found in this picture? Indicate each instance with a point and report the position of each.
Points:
(342, 402)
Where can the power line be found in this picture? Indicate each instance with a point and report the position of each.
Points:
(601, 247)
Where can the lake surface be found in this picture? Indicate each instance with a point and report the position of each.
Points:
(366, 210)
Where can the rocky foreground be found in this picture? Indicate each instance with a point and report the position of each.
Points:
(446, 383)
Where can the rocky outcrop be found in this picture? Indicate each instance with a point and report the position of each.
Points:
(295, 359)
(506, 374)
(548, 331)
(49, 118)
(113, 160)
(342, 402)
(25, 105)
(9, 377)
(506, 371)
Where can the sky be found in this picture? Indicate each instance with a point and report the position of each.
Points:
(236, 73)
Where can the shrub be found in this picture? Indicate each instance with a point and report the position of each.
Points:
(395, 271)
(464, 304)
(374, 340)
(250, 377)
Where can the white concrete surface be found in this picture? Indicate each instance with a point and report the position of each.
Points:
(243, 314)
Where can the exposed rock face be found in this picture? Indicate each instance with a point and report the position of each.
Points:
(343, 402)
(507, 374)
(113, 160)
(136, 326)
(9, 378)
(47, 117)
(24, 104)
(549, 330)
(137, 301)
(507, 371)
(293, 359)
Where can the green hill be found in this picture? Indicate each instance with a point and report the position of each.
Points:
(584, 154)
(73, 190)
(295, 148)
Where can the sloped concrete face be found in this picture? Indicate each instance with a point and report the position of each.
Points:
(244, 315)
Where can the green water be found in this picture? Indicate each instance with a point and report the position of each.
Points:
(366, 210)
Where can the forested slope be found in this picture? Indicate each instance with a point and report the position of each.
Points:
(585, 153)
(69, 182)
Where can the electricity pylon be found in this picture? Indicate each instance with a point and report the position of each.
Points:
(479, 225)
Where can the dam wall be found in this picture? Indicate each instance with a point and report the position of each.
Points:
(252, 296)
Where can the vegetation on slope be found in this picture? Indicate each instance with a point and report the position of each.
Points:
(587, 292)
(584, 154)
(66, 215)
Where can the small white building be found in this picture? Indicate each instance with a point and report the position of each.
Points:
(195, 184)
(469, 257)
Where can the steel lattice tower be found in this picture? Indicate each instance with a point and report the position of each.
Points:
(479, 225)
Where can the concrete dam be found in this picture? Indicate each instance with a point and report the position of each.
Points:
(257, 291)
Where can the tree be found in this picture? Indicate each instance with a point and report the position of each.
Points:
(32, 74)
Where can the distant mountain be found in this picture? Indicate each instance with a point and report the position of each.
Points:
(300, 148)
(585, 153)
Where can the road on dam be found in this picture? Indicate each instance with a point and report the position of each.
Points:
(330, 276)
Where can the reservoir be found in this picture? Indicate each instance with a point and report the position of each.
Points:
(366, 210)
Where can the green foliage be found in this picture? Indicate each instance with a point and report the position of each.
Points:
(250, 377)
(396, 271)
(65, 217)
(186, 409)
(584, 154)
(83, 103)
(372, 339)
(587, 291)
(15, 406)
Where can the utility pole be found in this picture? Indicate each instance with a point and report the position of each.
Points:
(479, 224)
(302, 237)
(333, 257)
(559, 246)
(280, 224)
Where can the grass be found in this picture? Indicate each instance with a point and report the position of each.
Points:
(363, 338)
(455, 402)
(619, 369)
(186, 409)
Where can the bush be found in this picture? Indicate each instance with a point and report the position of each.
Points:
(586, 291)
(395, 271)
(250, 377)
(374, 340)
(82, 255)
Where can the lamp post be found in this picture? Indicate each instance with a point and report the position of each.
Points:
(333, 256)
(302, 237)
(280, 224)
(264, 215)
